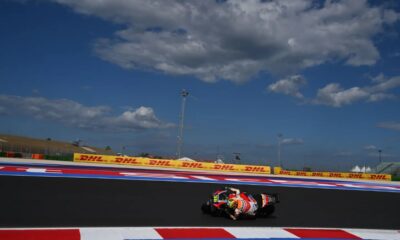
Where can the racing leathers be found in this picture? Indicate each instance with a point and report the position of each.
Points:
(240, 204)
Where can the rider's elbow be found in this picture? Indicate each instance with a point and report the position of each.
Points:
(237, 191)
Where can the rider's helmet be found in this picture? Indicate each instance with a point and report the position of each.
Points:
(232, 195)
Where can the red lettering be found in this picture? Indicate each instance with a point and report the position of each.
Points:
(338, 175)
(317, 174)
(223, 167)
(165, 163)
(254, 169)
(285, 172)
(355, 175)
(91, 158)
(378, 177)
(301, 173)
(126, 160)
(192, 165)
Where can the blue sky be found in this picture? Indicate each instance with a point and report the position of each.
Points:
(324, 74)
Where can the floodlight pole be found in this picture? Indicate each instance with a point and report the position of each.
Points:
(279, 149)
(380, 159)
(184, 94)
(365, 165)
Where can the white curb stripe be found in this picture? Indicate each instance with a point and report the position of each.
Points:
(258, 232)
(375, 234)
(119, 233)
(203, 178)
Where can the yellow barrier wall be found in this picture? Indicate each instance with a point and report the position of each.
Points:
(369, 176)
(168, 163)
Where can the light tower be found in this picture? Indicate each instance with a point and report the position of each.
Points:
(280, 135)
(184, 94)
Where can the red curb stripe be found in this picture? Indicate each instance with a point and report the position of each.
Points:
(190, 233)
(322, 233)
(41, 234)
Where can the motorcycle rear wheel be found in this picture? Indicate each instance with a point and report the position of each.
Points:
(266, 211)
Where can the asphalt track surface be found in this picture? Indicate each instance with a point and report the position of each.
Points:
(71, 202)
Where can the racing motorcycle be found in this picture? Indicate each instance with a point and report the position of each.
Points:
(217, 203)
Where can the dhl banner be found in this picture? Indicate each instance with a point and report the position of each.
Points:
(368, 176)
(168, 163)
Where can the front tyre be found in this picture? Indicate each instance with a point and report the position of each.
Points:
(205, 208)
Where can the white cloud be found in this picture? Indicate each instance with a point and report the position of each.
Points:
(376, 97)
(235, 40)
(334, 95)
(292, 141)
(385, 84)
(289, 86)
(379, 78)
(390, 125)
(143, 117)
(75, 114)
(370, 147)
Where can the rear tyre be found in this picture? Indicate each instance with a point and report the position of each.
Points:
(267, 211)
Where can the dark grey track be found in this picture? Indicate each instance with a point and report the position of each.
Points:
(69, 202)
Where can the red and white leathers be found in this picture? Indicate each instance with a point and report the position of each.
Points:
(242, 203)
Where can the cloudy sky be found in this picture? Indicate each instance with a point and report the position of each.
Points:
(323, 74)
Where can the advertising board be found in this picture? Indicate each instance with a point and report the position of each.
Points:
(367, 176)
(170, 163)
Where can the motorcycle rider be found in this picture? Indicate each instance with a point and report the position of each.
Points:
(240, 204)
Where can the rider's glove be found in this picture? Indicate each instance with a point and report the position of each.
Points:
(237, 211)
